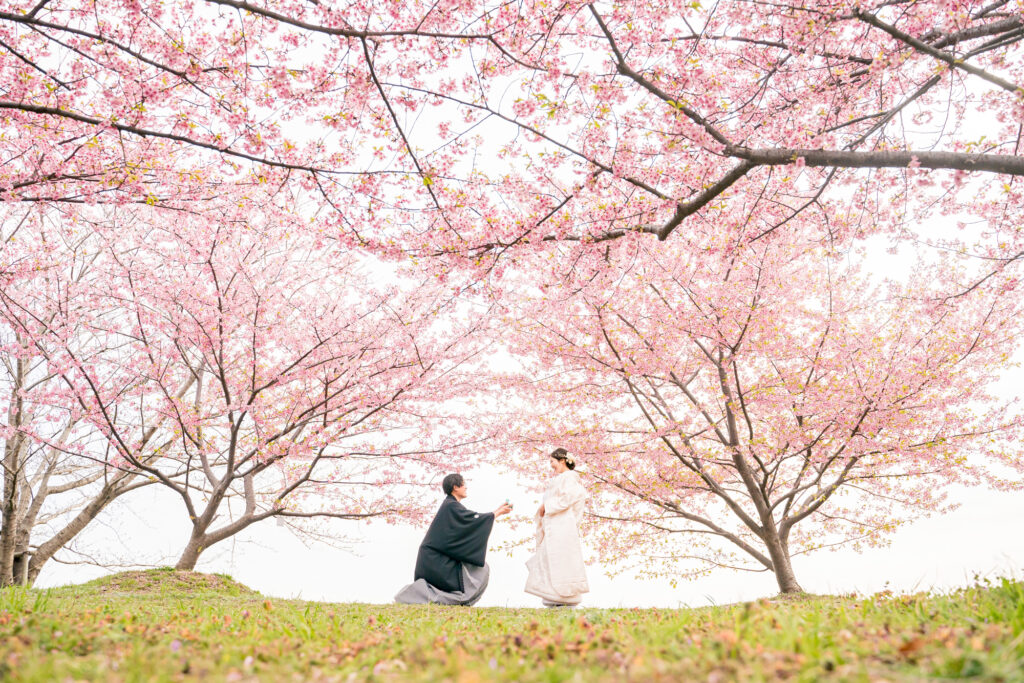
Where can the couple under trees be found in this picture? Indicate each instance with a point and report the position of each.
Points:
(450, 566)
(673, 256)
(763, 399)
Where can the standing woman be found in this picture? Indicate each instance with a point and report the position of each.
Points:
(557, 574)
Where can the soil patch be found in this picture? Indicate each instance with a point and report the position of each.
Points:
(168, 580)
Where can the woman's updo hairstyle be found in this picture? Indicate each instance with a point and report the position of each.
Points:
(562, 454)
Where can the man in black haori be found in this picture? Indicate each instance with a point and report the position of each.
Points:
(450, 567)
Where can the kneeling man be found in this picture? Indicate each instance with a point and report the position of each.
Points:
(450, 567)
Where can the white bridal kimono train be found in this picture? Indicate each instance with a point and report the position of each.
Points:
(557, 574)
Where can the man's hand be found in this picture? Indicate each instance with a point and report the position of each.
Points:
(503, 509)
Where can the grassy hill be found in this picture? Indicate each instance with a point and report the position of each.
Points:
(171, 625)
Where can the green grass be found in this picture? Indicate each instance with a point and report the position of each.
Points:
(167, 625)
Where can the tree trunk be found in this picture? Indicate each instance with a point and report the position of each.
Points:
(12, 473)
(778, 550)
(203, 537)
(8, 532)
(190, 555)
(9, 510)
(22, 567)
(48, 549)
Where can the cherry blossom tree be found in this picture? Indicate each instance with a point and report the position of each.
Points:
(742, 407)
(51, 494)
(475, 129)
(495, 139)
(54, 483)
(256, 374)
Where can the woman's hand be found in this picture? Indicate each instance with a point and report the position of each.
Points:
(540, 510)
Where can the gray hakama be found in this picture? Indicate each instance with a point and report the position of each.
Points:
(451, 567)
(474, 580)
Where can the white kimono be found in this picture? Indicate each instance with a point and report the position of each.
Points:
(557, 574)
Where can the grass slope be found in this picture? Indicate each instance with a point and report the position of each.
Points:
(169, 625)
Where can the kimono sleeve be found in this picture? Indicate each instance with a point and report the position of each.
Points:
(469, 543)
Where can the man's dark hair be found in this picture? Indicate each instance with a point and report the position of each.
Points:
(451, 481)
